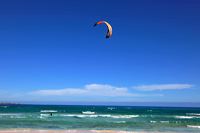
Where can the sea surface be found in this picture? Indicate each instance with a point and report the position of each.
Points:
(126, 118)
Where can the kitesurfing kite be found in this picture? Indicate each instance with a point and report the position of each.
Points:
(109, 27)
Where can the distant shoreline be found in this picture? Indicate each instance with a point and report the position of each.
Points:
(162, 105)
(7, 104)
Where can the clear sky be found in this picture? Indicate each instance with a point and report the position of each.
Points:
(50, 51)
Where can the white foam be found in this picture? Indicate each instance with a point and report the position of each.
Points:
(195, 114)
(44, 115)
(101, 115)
(193, 126)
(83, 116)
(186, 117)
(88, 112)
(153, 121)
(124, 116)
(48, 111)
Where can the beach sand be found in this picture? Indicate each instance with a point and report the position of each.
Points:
(70, 131)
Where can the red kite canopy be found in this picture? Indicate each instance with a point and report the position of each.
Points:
(109, 32)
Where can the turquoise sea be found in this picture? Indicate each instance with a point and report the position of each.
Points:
(100, 117)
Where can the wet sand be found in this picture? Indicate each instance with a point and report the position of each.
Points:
(70, 131)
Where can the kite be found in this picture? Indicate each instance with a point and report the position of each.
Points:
(109, 28)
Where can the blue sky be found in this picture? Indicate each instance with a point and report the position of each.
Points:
(50, 51)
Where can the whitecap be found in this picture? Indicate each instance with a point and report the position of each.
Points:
(193, 126)
(88, 112)
(185, 117)
(124, 116)
(153, 121)
(195, 114)
(100, 115)
(48, 111)
(44, 115)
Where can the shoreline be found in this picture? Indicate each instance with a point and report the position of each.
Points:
(72, 131)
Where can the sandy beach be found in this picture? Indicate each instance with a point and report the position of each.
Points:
(70, 131)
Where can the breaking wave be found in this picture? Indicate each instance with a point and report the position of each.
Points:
(193, 126)
(101, 115)
(194, 114)
(186, 117)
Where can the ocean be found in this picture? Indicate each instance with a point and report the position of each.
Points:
(128, 118)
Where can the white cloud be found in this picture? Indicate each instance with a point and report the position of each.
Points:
(163, 87)
(88, 90)
(109, 90)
